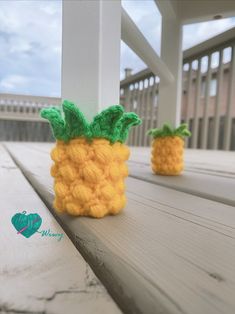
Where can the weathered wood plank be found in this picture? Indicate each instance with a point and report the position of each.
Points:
(204, 176)
(216, 163)
(40, 274)
(221, 163)
(220, 189)
(168, 252)
(208, 174)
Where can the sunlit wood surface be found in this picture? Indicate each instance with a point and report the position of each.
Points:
(172, 250)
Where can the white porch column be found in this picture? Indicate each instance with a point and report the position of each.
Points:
(91, 33)
(169, 103)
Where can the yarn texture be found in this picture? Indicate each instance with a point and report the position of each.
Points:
(168, 149)
(89, 159)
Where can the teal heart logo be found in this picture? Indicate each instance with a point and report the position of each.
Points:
(26, 225)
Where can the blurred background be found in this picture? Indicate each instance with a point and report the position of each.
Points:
(30, 73)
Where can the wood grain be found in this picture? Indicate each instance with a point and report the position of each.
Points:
(217, 188)
(219, 163)
(40, 274)
(168, 252)
(208, 174)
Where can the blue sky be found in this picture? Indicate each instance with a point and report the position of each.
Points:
(30, 42)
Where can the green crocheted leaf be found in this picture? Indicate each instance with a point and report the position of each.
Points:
(182, 130)
(155, 132)
(53, 115)
(104, 123)
(128, 120)
(75, 123)
(166, 130)
(112, 123)
(182, 127)
(185, 133)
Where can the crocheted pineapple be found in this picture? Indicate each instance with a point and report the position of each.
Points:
(89, 159)
(168, 148)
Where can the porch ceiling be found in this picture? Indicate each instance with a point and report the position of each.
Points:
(192, 11)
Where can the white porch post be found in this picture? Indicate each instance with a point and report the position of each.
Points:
(91, 35)
(169, 104)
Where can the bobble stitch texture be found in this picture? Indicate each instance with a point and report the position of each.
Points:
(93, 188)
(167, 149)
(89, 159)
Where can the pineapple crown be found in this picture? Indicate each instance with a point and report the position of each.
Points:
(112, 123)
(182, 131)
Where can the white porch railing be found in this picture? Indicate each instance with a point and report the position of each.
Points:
(20, 120)
(208, 101)
(23, 107)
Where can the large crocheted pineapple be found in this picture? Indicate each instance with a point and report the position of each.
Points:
(89, 159)
(168, 148)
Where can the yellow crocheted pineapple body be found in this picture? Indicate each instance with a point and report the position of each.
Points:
(89, 177)
(167, 155)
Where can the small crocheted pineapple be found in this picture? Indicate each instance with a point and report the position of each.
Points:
(89, 159)
(168, 148)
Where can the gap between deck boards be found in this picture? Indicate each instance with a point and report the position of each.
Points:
(40, 275)
(126, 303)
(211, 187)
(214, 186)
(160, 256)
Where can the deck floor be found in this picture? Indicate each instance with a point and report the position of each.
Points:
(172, 250)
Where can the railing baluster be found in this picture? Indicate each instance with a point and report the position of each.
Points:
(196, 106)
(155, 102)
(204, 134)
(146, 113)
(188, 99)
(139, 93)
(16, 105)
(141, 114)
(231, 101)
(152, 116)
(140, 108)
(218, 101)
(127, 94)
(126, 103)
(132, 101)
(12, 105)
(5, 105)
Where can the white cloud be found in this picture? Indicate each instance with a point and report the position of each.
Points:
(11, 82)
(199, 32)
(30, 41)
(147, 17)
(19, 45)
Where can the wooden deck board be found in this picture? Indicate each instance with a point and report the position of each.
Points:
(195, 160)
(39, 274)
(207, 177)
(208, 174)
(168, 252)
(206, 185)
